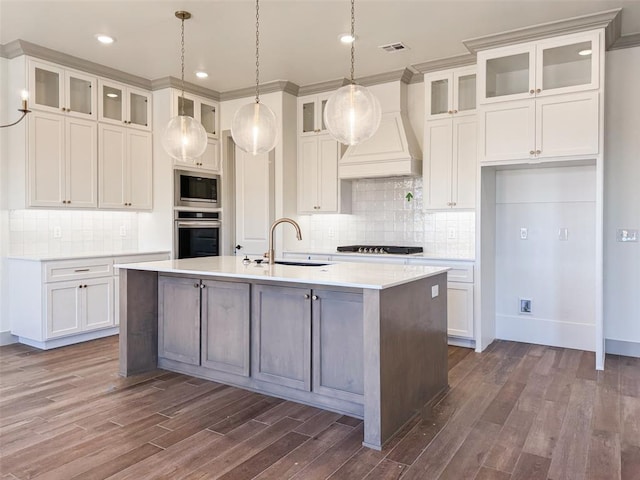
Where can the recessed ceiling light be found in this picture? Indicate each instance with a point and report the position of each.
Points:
(105, 39)
(112, 95)
(346, 38)
(584, 53)
(202, 74)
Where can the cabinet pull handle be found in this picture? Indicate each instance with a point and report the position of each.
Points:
(455, 111)
(306, 296)
(201, 285)
(84, 286)
(450, 112)
(538, 152)
(532, 152)
(79, 286)
(532, 91)
(315, 297)
(81, 270)
(538, 90)
(196, 285)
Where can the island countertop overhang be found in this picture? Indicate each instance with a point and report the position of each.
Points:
(338, 274)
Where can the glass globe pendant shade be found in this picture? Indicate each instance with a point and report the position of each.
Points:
(254, 128)
(352, 114)
(185, 139)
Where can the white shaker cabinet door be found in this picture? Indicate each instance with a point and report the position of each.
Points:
(139, 182)
(460, 309)
(98, 303)
(438, 158)
(113, 165)
(82, 162)
(465, 162)
(64, 311)
(308, 174)
(507, 131)
(328, 174)
(46, 160)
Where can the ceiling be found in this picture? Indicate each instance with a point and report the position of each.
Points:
(298, 38)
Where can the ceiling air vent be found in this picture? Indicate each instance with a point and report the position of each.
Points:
(394, 47)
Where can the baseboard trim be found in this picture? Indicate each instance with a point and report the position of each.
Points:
(622, 347)
(6, 338)
(461, 342)
(64, 341)
(543, 331)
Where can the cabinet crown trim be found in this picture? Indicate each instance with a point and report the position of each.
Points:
(627, 41)
(269, 87)
(446, 63)
(610, 20)
(173, 82)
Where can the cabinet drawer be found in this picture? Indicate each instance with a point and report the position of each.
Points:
(78, 269)
(460, 274)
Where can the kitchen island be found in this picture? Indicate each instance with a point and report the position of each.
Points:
(360, 339)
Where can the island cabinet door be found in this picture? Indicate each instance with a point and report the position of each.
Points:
(179, 319)
(225, 326)
(337, 325)
(281, 336)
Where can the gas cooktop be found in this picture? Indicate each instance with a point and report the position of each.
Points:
(380, 249)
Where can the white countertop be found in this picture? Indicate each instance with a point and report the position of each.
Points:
(46, 257)
(342, 274)
(420, 256)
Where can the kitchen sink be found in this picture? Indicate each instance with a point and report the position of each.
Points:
(302, 264)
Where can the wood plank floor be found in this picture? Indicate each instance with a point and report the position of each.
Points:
(516, 411)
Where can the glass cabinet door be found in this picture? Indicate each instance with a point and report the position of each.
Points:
(112, 102)
(508, 75)
(465, 92)
(440, 101)
(80, 94)
(138, 108)
(323, 104)
(208, 118)
(186, 107)
(568, 65)
(46, 86)
(308, 117)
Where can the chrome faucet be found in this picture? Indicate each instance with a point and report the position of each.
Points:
(270, 254)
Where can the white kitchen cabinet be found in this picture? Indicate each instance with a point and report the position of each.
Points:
(255, 202)
(319, 190)
(311, 114)
(450, 163)
(559, 65)
(210, 159)
(62, 161)
(124, 105)
(56, 89)
(554, 126)
(125, 168)
(460, 309)
(450, 93)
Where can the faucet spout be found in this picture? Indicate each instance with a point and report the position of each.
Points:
(270, 254)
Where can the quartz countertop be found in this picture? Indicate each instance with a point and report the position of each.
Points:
(341, 274)
(46, 257)
(420, 256)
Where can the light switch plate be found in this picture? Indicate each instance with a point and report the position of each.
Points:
(434, 291)
(524, 233)
(563, 234)
(627, 235)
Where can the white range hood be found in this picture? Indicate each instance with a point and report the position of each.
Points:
(393, 150)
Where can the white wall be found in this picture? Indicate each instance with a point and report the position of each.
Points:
(4, 214)
(558, 276)
(622, 201)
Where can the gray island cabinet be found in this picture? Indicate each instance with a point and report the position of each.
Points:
(364, 340)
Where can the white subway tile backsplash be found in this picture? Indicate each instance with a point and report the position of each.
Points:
(382, 214)
(32, 231)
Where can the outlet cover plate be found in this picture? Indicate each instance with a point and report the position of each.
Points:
(627, 235)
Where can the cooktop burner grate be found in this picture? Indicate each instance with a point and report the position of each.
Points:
(397, 250)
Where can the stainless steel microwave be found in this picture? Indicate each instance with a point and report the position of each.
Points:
(196, 189)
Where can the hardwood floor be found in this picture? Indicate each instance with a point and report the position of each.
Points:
(516, 411)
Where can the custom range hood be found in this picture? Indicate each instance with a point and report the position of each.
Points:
(393, 150)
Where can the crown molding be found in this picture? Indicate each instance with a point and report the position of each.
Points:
(405, 75)
(322, 87)
(627, 41)
(11, 50)
(445, 63)
(21, 47)
(269, 87)
(610, 20)
(173, 82)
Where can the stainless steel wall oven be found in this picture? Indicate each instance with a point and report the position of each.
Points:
(197, 234)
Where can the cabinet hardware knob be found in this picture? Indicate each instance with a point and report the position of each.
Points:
(538, 90)
(532, 91)
(450, 112)
(196, 285)
(315, 297)
(538, 152)
(84, 286)
(455, 111)
(79, 286)
(68, 201)
(532, 152)
(453, 204)
(201, 285)
(306, 295)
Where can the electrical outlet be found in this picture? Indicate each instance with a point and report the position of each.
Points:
(331, 232)
(627, 235)
(57, 232)
(451, 234)
(524, 233)
(563, 234)
(435, 291)
(525, 305)
(123, 231)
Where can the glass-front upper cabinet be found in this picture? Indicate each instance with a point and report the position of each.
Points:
(450, 92)
(566, 64)
(124, 105)
(202, 109)
(311, 114)
(55, 89)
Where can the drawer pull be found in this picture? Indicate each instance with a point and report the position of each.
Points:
(81, 270)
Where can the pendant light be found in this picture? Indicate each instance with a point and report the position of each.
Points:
(254, 127)
(352, 114)
(185, 139)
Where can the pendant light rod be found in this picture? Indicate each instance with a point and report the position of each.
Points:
(182, 15)
(353, 43)
(257, 51)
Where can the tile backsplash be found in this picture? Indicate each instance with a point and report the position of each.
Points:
(51, 232)
(381, 214)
